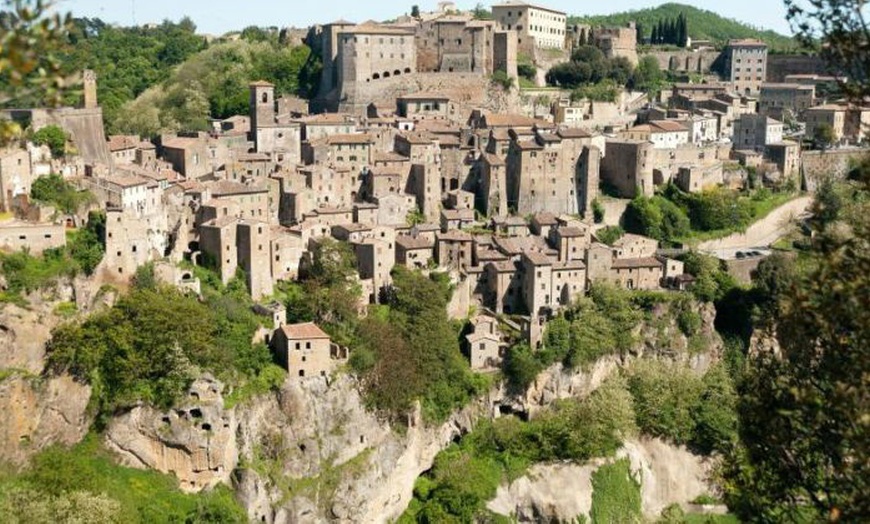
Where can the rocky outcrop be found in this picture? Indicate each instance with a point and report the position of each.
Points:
(312, 452)
(561, 492)
(38, 413)
(196, 442)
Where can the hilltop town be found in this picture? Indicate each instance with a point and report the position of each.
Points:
(519, 160)
(412, 159)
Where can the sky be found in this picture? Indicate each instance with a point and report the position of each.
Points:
(220, 16)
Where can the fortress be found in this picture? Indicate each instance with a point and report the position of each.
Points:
(361, 61)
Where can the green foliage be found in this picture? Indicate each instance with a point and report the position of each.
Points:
(657, 218)
(589, 66)
(214, 83)
(616, 494)
(803, 414)
(328, 293)
(83, 484)
(52, 136)
(414, 354)
(675, 404)
(704, 24)
(25, 273)
(53, 189)
(581, 335)
(597, 211)
(609, 235)
(466, 475)
(648, 76)
(87, 246)
(605, 91)
(500, 78)
(127, 60)
(712, 281)
(151, 344)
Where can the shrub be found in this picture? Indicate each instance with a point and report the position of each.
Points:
(609, 235)
(52, 136)
(597, 211)
(616, 494)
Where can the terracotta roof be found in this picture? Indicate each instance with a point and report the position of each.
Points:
(570, 232)
(377, 30)
(505, 120)
(503, 267)
(128, 180)
(389, 156)
(228, 187)
(667, 126)
(123, 142)
(529, 145)
(182, 142)
(636, 263)
(631, 237)
(326, 118)
(423, 96)
(538, 259)
(545, 219)
(454, 236)
(458, 214)
(356, 138)
(409, 242)
(569, 265)
(304, 331)
(751, 42)
(261, 83)
(417, 138)
(567, 132)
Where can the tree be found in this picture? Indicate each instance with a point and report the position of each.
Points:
(823, 136)
(639, 33)
(647, 76)
(52, 136)
(839, 31)
(415, 11)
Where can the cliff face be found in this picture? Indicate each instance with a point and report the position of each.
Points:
(313, 453)
(560, 492)
(38, 413)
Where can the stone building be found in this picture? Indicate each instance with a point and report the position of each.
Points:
(455, 43)
(785, 100)
(536, 26)
(664, 134)
(253, 245)
(35, 238)
(756, 131)
(832, 115)
(16, 176)
(745, 65)
(304, 350)
(414, 252)
(554, 172)
(617, 42)
(281, 138)
(628, 166)
(485, 347)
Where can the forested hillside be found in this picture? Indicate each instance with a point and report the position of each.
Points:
(703, 24)
(182, 79)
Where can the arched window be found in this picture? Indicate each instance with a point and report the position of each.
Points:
(265, 98)
(397, 72)
(376, 76)
(407, 70)
(386, 74)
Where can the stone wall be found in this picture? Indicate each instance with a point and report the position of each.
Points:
(685, 61)
(467, 91)
(780, 66)
(816, 165)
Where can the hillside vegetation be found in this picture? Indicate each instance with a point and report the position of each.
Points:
(703, 24)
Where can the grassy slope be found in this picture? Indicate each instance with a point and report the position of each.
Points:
(703, 24)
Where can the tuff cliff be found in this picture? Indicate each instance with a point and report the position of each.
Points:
(312, 451)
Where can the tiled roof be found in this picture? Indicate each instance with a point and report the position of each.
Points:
(636, 263)
(304, 331)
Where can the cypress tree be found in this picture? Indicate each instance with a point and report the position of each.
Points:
(654, 39)
(684, 30)
(639, 29)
